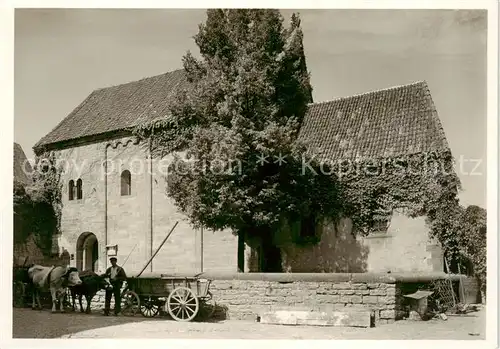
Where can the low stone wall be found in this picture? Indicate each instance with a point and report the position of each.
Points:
(247, 295)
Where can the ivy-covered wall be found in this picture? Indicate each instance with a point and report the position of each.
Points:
(37, 206)
(405, 247)
(37, 215)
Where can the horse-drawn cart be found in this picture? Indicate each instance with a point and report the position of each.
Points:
(182, 297)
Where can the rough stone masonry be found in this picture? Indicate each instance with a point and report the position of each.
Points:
(246, 297)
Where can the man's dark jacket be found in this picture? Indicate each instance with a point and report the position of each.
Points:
(120, 276)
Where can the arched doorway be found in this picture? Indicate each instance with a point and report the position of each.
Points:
(87, 252)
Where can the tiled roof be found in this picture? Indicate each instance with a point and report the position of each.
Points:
(21, 175)
(117, 108)
(383, 123)
(397, 121)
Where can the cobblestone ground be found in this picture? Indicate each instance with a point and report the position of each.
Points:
(28, 323)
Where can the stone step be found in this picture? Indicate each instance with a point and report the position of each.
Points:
(357, 318)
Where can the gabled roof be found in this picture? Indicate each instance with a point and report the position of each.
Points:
(397, 121)
(384, 123)
(117, 108)
(22, 168)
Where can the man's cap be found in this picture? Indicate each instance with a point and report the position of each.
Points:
(113, 258)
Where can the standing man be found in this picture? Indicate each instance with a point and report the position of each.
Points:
(116, 275)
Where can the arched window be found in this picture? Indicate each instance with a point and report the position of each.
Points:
(79, 192)
(71, 190)
(126, 186)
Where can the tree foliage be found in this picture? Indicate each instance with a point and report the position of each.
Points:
(240, 115)
(473, 240)
(38, 206)
(23, 213)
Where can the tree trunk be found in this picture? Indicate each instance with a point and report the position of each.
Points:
(241, 252)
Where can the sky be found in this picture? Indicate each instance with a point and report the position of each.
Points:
(62, 55)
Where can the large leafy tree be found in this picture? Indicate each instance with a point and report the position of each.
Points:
(238, 122)
(473, 241)
(462, 234)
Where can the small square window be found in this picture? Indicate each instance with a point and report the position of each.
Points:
(380, 226)
(381, 222)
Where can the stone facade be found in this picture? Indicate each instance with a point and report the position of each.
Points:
(136, 223)
(139, 222)
(405, 246)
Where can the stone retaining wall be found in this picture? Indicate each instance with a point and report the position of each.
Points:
(246, 299)
(247, 295)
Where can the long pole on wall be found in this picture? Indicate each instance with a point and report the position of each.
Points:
(150, 221)
(201, 250)
(105, 205)
(158, 249)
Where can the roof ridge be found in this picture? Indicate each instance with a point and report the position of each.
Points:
(418, 82)
(142, 79)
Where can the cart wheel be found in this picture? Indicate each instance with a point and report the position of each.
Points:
(130, 303)
(208, 307)
(18, 294)
(150, 307)
(182, 304)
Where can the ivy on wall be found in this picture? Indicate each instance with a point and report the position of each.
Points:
(420, 185)
(38, 206)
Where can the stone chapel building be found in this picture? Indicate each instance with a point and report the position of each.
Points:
(114, 196)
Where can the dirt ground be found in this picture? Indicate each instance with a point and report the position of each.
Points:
(28, 323)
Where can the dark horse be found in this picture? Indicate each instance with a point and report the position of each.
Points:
(91, 284)
(22, 285)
